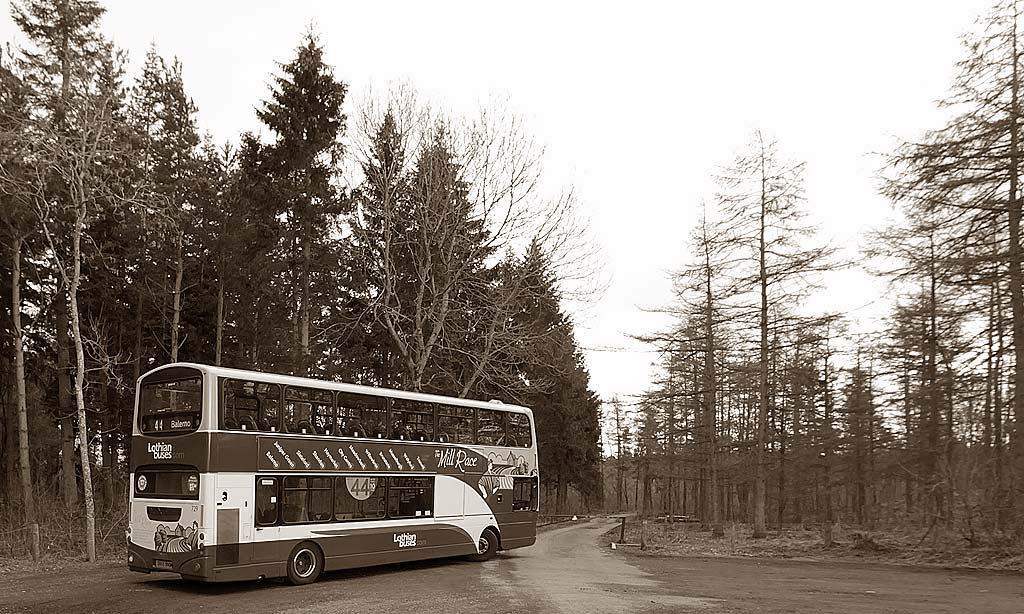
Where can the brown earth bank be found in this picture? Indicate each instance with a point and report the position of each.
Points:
(935, 548)
(570, 569)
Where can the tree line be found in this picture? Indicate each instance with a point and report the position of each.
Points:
(768, 414)
(400, 247)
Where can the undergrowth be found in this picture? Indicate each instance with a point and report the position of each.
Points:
(936, 547)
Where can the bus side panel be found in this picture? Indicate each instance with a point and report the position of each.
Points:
(449, 497)
(395, 544)
(518, 529)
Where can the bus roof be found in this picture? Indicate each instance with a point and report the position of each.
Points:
(292, 380)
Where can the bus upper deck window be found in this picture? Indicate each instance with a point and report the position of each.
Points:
(298, 409)
(170, 406)
(412, 420)
(490, 427)
(455, 424)
(251, 406)
(361, 415)
(519, 431)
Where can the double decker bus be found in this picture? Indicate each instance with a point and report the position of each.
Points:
(243, 475)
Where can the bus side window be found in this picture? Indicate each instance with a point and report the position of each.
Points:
(323, 412)
(524, 494)
(359, 497)
(361, 415)
(270, 406)
(490, 427)
(519, 430)
(410, 497)
(240, 409)
(295, 500)
(412, 420)
(298, 410)
(266, 501)
(455, 424)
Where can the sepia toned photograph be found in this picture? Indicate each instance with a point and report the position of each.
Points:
(536, 307)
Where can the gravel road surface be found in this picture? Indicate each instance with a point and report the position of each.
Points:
(570, 569)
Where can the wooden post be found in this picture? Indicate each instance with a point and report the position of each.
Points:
(622, 530)
(643, 534)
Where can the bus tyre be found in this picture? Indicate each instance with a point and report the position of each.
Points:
(487, 547)
(305, 564)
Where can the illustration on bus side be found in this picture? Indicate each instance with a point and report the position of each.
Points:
(181, 539)
(488, 474)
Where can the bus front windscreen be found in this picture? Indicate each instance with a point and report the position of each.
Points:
(171, 407)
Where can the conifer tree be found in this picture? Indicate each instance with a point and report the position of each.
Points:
(305, 113)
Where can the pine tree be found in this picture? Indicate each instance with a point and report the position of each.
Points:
(305, 113)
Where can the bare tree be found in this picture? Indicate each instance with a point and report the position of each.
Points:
(764, 195)
(79, 156)
(446, 214)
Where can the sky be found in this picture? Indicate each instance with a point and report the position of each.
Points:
(637, 105)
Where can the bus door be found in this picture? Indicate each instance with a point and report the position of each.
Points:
(234, 519)
(267, 533)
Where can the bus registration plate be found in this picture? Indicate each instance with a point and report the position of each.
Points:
(162, 564)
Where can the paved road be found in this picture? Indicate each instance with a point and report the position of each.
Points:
(569, 570)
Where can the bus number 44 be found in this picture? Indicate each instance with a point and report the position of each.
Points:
(405, 540)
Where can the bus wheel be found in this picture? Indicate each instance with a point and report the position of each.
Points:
(305, 564)
(487, 547)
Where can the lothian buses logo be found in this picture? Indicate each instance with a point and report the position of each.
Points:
(161, 450)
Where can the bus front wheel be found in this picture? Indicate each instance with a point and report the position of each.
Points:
(305, 564)
(487, 546)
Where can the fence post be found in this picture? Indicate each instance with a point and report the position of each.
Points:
(622, 530)
(643, 534)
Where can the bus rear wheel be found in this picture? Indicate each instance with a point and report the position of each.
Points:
(486, 547)
(305, 564)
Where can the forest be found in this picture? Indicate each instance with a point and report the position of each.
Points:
(770, 415)
(390, 243)
(384, 243)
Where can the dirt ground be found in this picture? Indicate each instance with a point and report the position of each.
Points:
(903, 547)
(570, 569)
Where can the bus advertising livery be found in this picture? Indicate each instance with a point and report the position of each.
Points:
(242, 475)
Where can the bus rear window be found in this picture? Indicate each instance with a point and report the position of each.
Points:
(163, 483)
(171, 407)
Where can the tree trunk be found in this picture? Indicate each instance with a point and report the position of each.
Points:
(1016, 280)
(65, 407)
(762, 410)
(83, 429)
(827, 461)
(28, 499)
(304, 354)
(220, 319)
(710, 385)
(179, 272)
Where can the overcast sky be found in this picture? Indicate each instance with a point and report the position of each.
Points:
(636, 103)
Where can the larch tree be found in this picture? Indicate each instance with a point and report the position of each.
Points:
(965, 175)
(763, 194)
